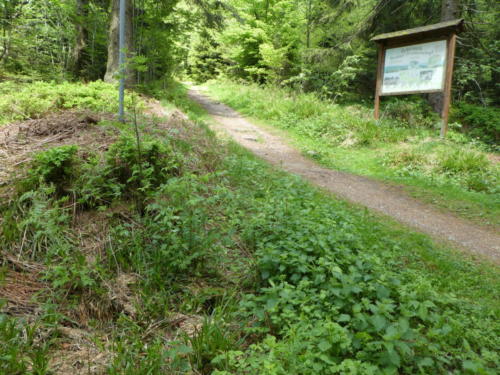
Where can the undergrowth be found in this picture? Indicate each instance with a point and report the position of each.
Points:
(29, 101)
(277, 277)
(21, 351)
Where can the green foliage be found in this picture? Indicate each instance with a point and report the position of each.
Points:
(307, 349)
(329, 83)
(445, 164)
(413, 113)
(42, 222)
(135, 356)
(74, 274)
(332, 299)
(262, 45)
(314, 285)
(146, 170)
(20, 351)
(21, 102)
(159, 38)
(325, 46)
(479, 121)
(65, 39)
(173, 241)
(55, 166)
(36, 37)
(205, 60)
(206, 344)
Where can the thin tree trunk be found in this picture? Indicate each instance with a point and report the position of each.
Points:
(6, 45)
(309, 23)
(112, 67)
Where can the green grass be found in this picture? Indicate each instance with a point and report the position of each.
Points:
(283, 278)
(347, 139)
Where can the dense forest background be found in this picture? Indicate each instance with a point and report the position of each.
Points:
(310, 45)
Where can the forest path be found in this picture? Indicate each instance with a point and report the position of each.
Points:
(386, 199)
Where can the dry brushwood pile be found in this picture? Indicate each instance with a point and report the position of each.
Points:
(20, 140)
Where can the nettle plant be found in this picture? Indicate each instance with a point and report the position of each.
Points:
(328, 305)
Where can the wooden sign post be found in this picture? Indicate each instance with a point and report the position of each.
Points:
(418, 61)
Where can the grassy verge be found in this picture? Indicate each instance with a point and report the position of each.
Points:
(211, 262)
(454, 175)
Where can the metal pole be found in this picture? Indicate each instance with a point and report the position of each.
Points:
(121, 61)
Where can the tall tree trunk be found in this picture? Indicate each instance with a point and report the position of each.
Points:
(450, 10)
(78, 59)
(113, 66)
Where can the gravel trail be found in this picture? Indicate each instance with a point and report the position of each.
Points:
(377, 196)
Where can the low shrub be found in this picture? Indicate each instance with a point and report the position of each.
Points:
(479, 121)
(413, 113)
(55, 166)
(173, 240)
(328, 302)
(145, 166)
(41, 221)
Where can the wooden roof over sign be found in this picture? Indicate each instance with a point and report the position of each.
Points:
(424, 32)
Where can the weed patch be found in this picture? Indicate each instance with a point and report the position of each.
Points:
(21, 350)
(466, 168)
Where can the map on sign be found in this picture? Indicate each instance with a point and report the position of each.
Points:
(418, 67)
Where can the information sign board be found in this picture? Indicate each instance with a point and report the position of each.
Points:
(417, 61)
(415, 68)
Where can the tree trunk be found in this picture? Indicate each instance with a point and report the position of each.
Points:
(450, 10)
(113, 66)
(6, 45)
(81, 36)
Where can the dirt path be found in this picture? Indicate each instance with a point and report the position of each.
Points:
(375, 195)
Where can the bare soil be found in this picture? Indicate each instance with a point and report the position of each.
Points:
(382, 198)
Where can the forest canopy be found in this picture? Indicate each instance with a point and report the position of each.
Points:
(315, 45)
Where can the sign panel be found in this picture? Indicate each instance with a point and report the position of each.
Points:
(415, 68)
